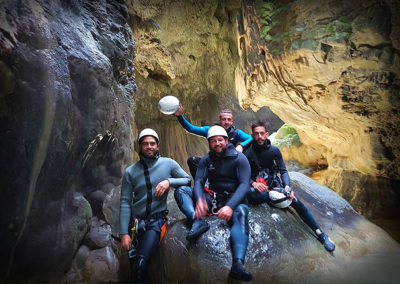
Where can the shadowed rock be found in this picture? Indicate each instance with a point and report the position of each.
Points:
(65, 113)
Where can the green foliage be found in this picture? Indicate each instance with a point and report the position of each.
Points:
(267, 12)
(285, 130)
(338, 30)
(275, 51)
(330, 29)
(287, 136)
(346, 26)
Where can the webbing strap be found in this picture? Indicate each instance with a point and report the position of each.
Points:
(148, 185)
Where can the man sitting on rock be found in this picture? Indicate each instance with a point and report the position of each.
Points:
(228, 174)
(144, 192)
(237, 137)
(265, 157)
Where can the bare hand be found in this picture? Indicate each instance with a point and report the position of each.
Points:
(291, 197)
(126, 241)
(179, 111)
(201, 209)
(161, 188)
(225, 213)
(260, 186)
(239, 148)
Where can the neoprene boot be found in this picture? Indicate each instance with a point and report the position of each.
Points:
(199, 227)
(326, 241)
(139, 270)
(239, 272)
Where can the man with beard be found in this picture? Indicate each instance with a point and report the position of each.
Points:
(228, 174)
(265, 157)
(144, 192)
(237, 137)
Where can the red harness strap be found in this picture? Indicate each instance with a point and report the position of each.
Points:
(209, 191)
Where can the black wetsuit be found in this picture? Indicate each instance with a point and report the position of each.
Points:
(269, 157)
(233, 138)
(228, 177)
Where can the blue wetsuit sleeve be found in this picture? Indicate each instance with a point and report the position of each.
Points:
(179, 176)
(243, 174)
(202, 131)
(200, 179)
(244, 138)
(282, 169)
(125, 203)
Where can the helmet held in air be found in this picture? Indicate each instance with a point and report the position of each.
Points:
(168, 104)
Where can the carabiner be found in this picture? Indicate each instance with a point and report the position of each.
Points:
(214, 208)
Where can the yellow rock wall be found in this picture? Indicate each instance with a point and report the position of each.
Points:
(339, 91)
(187, 49)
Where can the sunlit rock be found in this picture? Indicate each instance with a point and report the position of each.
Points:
(333, 76)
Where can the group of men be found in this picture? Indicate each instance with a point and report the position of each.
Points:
(226, 180)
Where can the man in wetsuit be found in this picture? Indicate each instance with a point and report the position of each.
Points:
(265, 157)
(228, 174)
(144, 192)
(237, 137)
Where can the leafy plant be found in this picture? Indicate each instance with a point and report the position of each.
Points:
(268, 11)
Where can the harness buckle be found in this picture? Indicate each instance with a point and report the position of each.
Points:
(214, 208)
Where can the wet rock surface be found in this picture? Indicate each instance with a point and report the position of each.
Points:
(65, 112)
(282, 248)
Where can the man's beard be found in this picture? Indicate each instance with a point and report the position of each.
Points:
(261, 141)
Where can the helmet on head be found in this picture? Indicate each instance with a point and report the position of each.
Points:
(279, 198)
(216, 130)
(168, 104)
(147, 132)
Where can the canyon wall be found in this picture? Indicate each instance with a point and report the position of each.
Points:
(331, 70)
(187, 49)
(66, 110)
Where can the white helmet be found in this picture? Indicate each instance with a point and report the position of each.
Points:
(168, 104)
(216, 130)
(278, 198)
(147, 132)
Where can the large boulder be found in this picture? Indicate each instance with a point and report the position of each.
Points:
(282, 248)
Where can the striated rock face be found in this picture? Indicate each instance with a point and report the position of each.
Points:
(65, 113)
(331, 70)
(187, 49)
(282, 248)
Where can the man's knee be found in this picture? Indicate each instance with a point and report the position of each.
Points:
(255, 197)
(241, 215)
(299, 206)
(180, 191)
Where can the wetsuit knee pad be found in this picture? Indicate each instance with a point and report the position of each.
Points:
(241, 216)
(180, 192)
(184, 198)
(255, 197)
